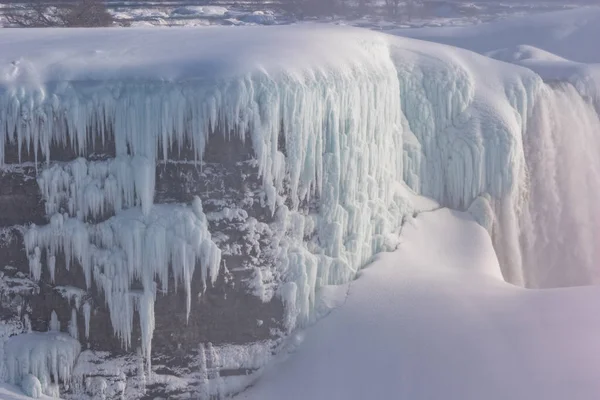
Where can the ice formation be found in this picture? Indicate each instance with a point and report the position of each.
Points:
(31, 386)
(127, 248)
(90, 189)
(47, 357)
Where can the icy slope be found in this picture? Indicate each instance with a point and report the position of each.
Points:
(434, 320)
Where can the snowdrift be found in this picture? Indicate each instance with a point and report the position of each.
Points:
(434, 320)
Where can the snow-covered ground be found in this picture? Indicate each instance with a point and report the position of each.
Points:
(435, 320)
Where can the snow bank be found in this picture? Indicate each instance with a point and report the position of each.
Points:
(434, 320)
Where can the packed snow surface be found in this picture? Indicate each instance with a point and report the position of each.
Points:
(435, 320)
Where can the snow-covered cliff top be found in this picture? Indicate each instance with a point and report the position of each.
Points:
(37, 56)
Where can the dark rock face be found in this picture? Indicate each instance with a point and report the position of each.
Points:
(226, 313)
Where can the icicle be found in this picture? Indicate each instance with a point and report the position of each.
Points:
(27, 323)
(51, 267)
(87, 310)
(132, 246)
(204, 383)
(91, 188)
(54, 325)
(73, 329)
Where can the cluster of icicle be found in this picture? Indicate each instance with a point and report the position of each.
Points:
(127, 248)
(41, 360)
(91, 189)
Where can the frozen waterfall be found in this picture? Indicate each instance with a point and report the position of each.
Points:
(349, 129)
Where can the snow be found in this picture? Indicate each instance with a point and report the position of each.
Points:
(435, 320)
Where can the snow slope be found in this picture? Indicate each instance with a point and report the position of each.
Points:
(434, 320)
